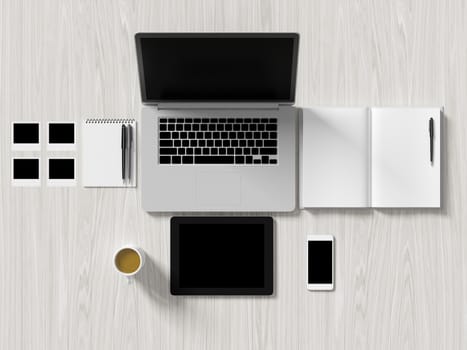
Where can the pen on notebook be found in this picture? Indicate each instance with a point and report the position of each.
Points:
(123, 150)
(130, 144)
(432, 132)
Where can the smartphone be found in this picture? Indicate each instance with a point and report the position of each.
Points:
(320, 255)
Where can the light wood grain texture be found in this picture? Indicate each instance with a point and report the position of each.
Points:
(401, 274)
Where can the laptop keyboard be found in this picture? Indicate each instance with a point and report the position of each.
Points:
(242, 141)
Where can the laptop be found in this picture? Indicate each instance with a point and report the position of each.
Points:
(218, 126)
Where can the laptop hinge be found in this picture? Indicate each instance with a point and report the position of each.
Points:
(187, 105)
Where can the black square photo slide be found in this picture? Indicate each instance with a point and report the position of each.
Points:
(25, 136)
(26, 171)
(61, 172)
(61, 135)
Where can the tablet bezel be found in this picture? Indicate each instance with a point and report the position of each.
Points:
(175, 223)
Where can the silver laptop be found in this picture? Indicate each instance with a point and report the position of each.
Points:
(218, 128)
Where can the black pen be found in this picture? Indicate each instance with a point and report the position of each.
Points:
(130, 143)
(431, 130)
(123, 150)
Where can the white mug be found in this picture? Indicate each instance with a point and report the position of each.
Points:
(138, 251)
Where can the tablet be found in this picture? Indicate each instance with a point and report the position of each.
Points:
(221, 256)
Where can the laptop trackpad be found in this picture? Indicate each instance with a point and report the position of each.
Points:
(216, 189)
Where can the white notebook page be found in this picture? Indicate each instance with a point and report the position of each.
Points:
(402, 174)
(334, 158)
(102, 153)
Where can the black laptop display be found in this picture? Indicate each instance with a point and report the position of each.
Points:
(221, 256)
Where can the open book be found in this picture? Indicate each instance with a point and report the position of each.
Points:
(370, 157)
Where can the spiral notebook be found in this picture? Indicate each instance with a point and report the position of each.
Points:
(102, 153)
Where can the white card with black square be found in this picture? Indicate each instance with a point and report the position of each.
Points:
(25, 136)
(25, 171)
(61, 136)
(61, 171)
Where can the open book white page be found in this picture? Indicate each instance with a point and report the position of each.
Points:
(402, 174)
(102, 153)
(334, 158)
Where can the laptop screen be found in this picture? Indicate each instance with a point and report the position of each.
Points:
(217, 67)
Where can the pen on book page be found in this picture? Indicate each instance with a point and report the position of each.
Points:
(123, 150)
(432, 132)
(130, 144)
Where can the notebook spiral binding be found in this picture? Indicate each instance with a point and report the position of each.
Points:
(109, 121)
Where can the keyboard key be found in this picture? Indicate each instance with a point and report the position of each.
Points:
(264, 120)
(240, 135)
(180, 120)
(226, 143)
(163, 127)
(228, 127)
(236, 127)
(197, 150)
(210, 143)
(230, 151)
(272, 161)
(216, 135)
(251, 143)
(165, 143)
(177, 143)
(199, 135)
(257, 161)
(175, 135)
(218, 143)
(187, 127)
(268, 151)
(201, 143)
(205, 150)
(248, 159)
(171, 127)
(213, 120)
(193, 143)
(204, 127)
(246, 151)
(270, 143)
(230, 120)
(220, 127)
(214, 151)
(176, 159)
(191, 135)
(256, 120)
(242, 143)
(244, 127)
(222, 151)
(188, 120)
(239, 159)
(196, 120)
(212, 127)
(238, 151)
(207, 135)
(183, 135)
(181, 151)
(264, 135)
(185, 143)
(234, 143)
(224, 135)
(205, 120)
(222, 120)
(163, 120)
(187, 160)
(254, 151)
(232, 135)
(195, 127)
(273, 135)
(265, 159)
(164, 135)
(248, 135)
(214, 159)
(189, 151)
(259, 143)
(252, 127)
(164, 160)
(260, 127)
(256, 135)
(273, 120)
(171, 120)
(167, 151)
(247, 120)
(271, 127)
(179, 127)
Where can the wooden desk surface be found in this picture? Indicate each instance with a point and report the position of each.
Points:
(401, 274)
